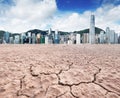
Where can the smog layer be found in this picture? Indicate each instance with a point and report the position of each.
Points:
(60, 71)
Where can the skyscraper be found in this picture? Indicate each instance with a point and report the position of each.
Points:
(107, 35)
(92, 30)
(78, 40)
(101, 37)
(112, 36)
(56, 38)
(6, 37)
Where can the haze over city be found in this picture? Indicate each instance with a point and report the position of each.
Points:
(65, 15)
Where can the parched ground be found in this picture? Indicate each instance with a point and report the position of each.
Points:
(60, 71)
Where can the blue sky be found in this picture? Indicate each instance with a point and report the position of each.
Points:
(67, 15)
(74, 5)
(77, 5)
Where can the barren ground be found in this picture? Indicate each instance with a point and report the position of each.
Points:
(59, 71)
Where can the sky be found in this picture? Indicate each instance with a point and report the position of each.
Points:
(19, 16)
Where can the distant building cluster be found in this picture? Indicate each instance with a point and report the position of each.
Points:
(107, 37)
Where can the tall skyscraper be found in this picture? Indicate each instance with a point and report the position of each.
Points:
(85, 38)
(56, 38)
(33, 38)
(78, 40)
(112, 36)
(6, 37)
(107, 35)
(29, 36)
(17, 39)
(92, 30)
(102, 37)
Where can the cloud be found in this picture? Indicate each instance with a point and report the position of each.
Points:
(108, 2)
(43, 14)
(106, 16)
(72, 22)
(27, 15)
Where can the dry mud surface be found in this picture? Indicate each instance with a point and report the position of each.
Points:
(59, 71)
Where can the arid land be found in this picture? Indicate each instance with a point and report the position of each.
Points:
(60, 71)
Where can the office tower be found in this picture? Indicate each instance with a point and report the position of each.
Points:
(49, 31)
(29, 37)
(23, 36)
(38, 38)
(97, 39)
(78, 40)
(17, 39)
(92, 30)
(33, 38)
(42, 39)
(112, 36)
(116, 38)
(56, 37)
(62, 39)
(119, 38)
(72, 38)
(46, 39)
(107, 35)
(101, 37)
(11, 40)
(6, 37)
(85, 37)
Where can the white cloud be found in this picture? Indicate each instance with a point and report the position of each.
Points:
(41, 14)
(106, 16)
(28, 14)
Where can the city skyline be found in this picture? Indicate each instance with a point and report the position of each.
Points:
(69, 15)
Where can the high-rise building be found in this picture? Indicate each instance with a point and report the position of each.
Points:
(116, 38)
(23, 36)
(29, 36)
(49, 31)
(101, 37)
(78, 39)
(56, 37)
(6, 37)
(38, 38)
(46, 39)
(112, 36)
(33, 38)
(11, 40)
(85, 37)
(92, 30)
(17, 39)
(107, 35)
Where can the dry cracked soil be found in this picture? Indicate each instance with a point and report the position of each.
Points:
(60, 71)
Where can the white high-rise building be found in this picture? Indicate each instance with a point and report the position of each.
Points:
(92, 30)
(22, 38)
(102, 37)
(17, 39)
(112, 36)
(46, 39)
(107, 35)
(49, 31)
(33, 38)
(29, 36)
(85, 38)
(11, 40)
(116, 38)
(56, 37)
(78, 41)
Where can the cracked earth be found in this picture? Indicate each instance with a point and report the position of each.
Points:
(60, 71)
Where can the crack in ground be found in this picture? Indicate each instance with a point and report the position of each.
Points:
(70, 85)
(21, 87)
(31, 72)
(61, 95)
(21, 82)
